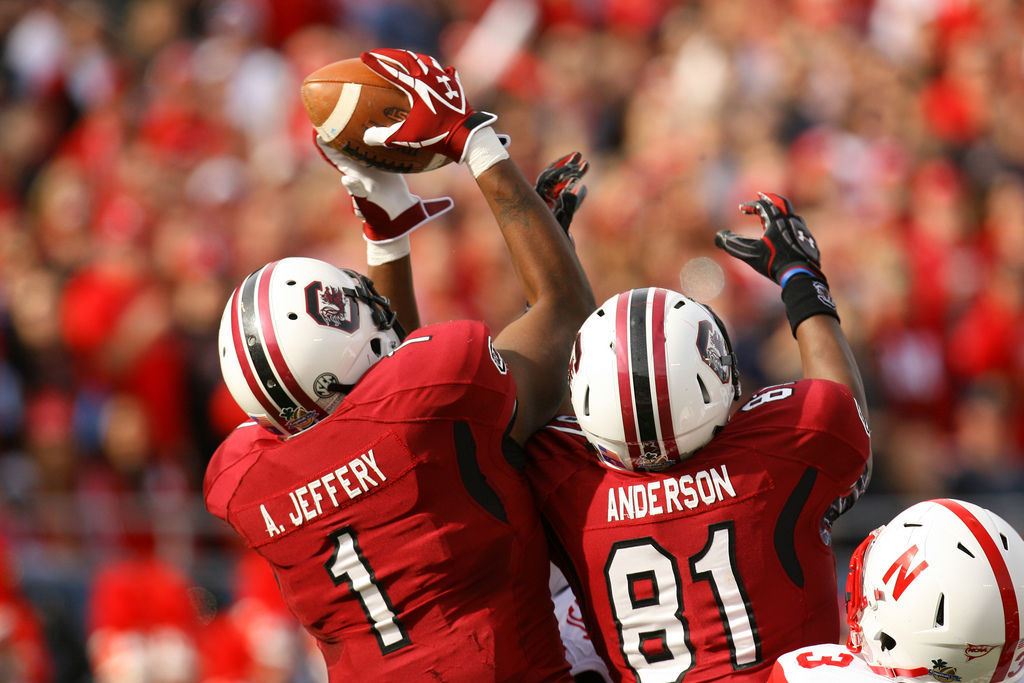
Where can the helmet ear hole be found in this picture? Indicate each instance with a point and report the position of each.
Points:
(586, 402)
(888, 642)
(375, 346)
(940, 611)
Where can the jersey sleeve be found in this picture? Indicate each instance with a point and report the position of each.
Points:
(228, 465)
(446, 371)
(813, 421)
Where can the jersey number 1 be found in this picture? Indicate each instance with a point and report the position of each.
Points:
(647, 601)
(348, 564)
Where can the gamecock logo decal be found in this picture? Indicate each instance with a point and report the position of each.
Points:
(332, 307)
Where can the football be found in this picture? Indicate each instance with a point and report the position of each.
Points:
(345, 98)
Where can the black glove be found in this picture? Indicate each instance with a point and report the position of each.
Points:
(558, 185)
(787, 247)
(787, 254)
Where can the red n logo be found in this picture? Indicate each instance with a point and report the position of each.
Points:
(906, 574)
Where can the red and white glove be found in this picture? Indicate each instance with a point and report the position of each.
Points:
(439, 114)
(382, 199)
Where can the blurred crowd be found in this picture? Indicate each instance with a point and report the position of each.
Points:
(156, 151)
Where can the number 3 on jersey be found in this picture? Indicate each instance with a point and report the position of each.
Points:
(647, 601)
(348, 564)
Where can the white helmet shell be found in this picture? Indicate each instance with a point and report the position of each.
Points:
(296, 335)
(652, 378)
(938, 595)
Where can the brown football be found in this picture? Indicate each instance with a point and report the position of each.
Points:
(345, 98)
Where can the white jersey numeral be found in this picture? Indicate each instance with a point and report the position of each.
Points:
(348, 565)
(645, 591)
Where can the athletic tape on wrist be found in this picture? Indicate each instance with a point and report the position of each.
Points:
(483, 150)
(806, 296)
(378, 253)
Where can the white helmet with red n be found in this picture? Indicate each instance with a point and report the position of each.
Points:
(937, 594)
(652, 378)
(296, 335)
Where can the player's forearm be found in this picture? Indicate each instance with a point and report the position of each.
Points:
(825, 354)
(394, 281)
(544, 260)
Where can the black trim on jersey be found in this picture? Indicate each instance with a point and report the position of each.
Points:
(785, 528)
(469, 471)
(329, 565)
(730, 527)
(515, 454)
(252, 340)
(643, 401)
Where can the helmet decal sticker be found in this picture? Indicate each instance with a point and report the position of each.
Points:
(974, 651)
(941, 671)
(322, 384)
(332, 307)
(906, 575)
(711, 347)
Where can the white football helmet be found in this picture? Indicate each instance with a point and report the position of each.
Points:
(296, 335)
(652, 377)
(938, 595)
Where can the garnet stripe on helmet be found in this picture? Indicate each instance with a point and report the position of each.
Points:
(622, 363)
(1011, 617)
(640, 366)
(253, 335)
(658, 353)
(273, 350)
(241, 354)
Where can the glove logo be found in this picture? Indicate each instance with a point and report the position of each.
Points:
(824, 296)
(449, 92)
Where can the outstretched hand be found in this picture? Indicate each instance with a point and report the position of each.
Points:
(558, 185)
(382, 199)
(439, 114)
(786, 248)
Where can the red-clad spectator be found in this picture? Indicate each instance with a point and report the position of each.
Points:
(24, 653)
(142, 623)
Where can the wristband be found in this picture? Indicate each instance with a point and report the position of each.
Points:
(483, 150)
(379, 253)
(806, 296)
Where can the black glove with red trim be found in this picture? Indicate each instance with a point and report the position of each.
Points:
(787, 254)
(558, 185)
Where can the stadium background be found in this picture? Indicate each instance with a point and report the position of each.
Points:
(155, 151)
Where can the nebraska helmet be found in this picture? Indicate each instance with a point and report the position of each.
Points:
(296, 335)
(938, 594)
(652, 377)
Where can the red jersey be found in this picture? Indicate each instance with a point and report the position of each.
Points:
(716, 566)
(403, 535)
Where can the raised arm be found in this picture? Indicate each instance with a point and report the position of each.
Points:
(536, 345)
(788, 255)
(389, 213)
